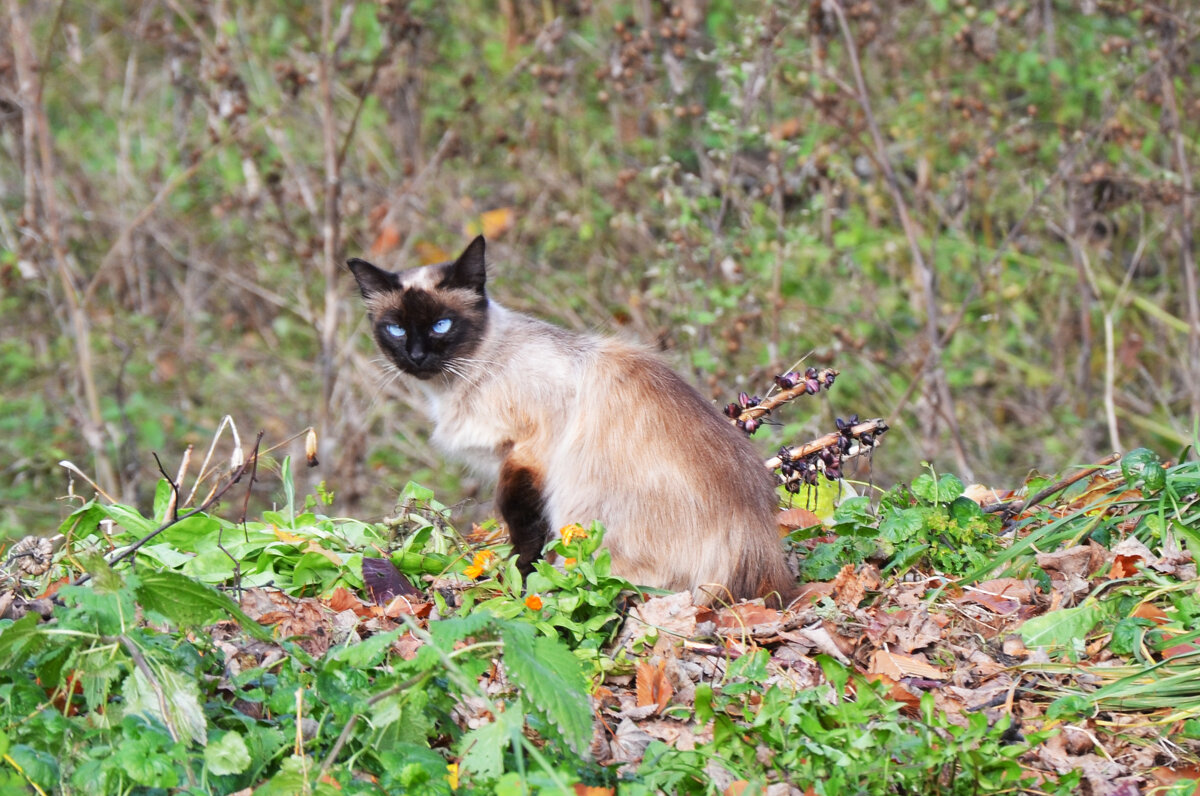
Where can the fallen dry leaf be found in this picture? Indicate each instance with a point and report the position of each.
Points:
(747, 615)
(1003, 596)
(898, 666)
(849, 586)
(795, 518)
(896, 690)
(653, 687)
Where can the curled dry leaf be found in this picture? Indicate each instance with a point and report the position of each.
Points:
(849, 587)
(31, 555)
(653, 686)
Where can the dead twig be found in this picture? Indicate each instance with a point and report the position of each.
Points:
(216, 495)
(792, 385)
(925, 273)
(1014, 507)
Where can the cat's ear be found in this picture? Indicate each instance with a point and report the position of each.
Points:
(372, 279)
(469, 270)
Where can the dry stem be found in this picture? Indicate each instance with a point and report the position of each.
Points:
(774, 401)
(925, 274)
(876, 426)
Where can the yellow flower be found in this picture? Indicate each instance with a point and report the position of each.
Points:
(569, 562)
(572, 532)
(452, 774)
(481, 562)
(533, 602)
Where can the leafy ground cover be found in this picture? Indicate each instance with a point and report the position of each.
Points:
(1003, 272)
(947, 641)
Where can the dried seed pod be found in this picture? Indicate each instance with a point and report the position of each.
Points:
(751, 425)
(743, 400)
(732, 410)
(310, 447)
(31, 555)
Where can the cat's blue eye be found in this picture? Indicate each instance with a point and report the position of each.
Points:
(442, 326)
(394, 330)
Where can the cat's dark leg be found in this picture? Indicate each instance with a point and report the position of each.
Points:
(522, 504)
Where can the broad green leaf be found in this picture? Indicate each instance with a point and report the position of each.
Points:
(190, 531)
(188, 603)
(900, 525)
(552, 680)
(21, 639)
(129, 519)
(162, 497)
(483, 748)
(164, 554)
(227, 755)
(365, 654)
(180, 695)
(1063, 627)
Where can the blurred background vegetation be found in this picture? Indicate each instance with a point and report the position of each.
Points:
(981, 213)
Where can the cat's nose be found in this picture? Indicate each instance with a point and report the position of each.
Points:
(417, 354)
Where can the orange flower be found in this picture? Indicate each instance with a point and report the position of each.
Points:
(572, 532)
(569, 562)
(533, 602)
(482, 559)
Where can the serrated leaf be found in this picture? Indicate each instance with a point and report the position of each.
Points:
(189, 603)
(21, 639)
(447, 632)
(227, 755)
(552, 680)
(483, 747)
(365, 654)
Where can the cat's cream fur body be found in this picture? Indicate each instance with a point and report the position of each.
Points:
(576, 428)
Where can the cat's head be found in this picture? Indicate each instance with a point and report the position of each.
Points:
(426, 318)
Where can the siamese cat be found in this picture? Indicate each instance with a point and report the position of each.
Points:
(575, 428)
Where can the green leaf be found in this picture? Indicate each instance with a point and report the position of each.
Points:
(129, 519)
(227, 755)
(1068, 707)
(1134, 462)
(179, 694)
(483, 747)
(289, 490)
(1063, 627)
(553, 681)
(1127, 634)
(188, 603)
(162, 497)
(447, 632)
(901, 525)
(21, 639)
(366, 654)
(944, 490)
